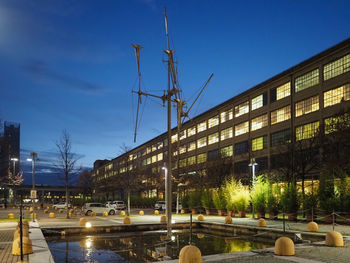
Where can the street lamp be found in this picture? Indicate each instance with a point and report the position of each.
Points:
(167, 205)
(34, 159)
(253, 164)
(14, 165)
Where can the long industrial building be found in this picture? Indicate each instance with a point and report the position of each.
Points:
(284, 109)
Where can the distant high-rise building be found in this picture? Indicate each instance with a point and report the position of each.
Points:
(9, 148)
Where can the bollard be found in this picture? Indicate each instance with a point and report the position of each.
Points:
(17, 233)
(312, 227)
(141, 213)
(10, 216)
(163, 219)
(334, 239)
(156, 212)
(27, 246)
(261, 222)
(127, 221)
(122, 213)
(284, 246)
(105, 213)
(228, 220)
(93, 213)
(82, 221)
(52, 215)
(200, 217)
(190, 254)
(182, 211)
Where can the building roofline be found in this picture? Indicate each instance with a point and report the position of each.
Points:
(288, 71)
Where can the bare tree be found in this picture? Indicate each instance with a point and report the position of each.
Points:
(66, 162)
(84, 182)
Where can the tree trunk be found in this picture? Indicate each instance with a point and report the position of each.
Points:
(128, 202)
(67, 197)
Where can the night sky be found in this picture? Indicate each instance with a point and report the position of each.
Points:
(69, 64)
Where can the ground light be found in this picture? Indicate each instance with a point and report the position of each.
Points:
(88, 225)
(172, 238)
(173, 221)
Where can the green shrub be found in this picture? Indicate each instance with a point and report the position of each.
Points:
(185, 201)
(229, 189)
(289, 199)
(259, 194)
(327, 194)
(207, 200)
(310, 202)
(241, 198)
(219, 199)
(194, 201)
(273, 198)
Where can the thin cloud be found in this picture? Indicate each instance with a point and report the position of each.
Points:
(40, 69)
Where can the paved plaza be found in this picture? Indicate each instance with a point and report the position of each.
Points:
(306, 252)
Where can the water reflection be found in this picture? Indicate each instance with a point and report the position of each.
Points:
(142, 247)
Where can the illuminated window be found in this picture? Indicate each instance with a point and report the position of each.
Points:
(191, 131)
(213, 121)
(174, 138)
(226, 151)
(202, 126)
(154, 158)
(242, 109)
(306, 106)
(183, 135)
(259, 122)
(307, 80)
(191, 146)
(259, 101)
(280, 92)
(306, 131)
(280, 137)
(143, 152)
(154, 147)
(242, 128)
(175, 153)
(280, 115)
(148, 160)
(335, 96)
(201, 158)
(226, 115)
(160, 145)
(241, 147)
(148, 149)
(202, 142)
(191, 160)
(182, 163)
(213, 138)
(182, 149)
(259, 143)
(160, 156)
(226, 134)
(336, 67)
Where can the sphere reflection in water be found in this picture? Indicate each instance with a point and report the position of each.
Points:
(88, 225)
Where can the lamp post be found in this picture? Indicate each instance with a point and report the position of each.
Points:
(168, 211)
(34, 159)
(14, 160)
(253, 164)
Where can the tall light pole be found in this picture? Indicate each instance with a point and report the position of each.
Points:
(14, 160)
(253, 164)
(34, 159)
(167, 200)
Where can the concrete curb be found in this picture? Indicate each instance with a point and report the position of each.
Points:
(41, 251)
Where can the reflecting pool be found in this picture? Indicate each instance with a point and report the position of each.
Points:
(143, 246)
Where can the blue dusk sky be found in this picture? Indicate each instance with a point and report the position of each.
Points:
(69, 64)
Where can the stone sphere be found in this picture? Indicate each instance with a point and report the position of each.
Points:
(26, 245)
(163, 219)
(141, 213)
(82, 221)
(261, 222)
(122, 213)
(10, 216)
(200, 217)
(156, 212)
(127, 221)
(52, 215)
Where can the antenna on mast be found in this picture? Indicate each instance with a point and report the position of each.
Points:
(137, 50)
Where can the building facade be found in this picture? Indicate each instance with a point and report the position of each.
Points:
(285, 109)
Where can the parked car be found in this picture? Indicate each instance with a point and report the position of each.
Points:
(161, 205)
(61, 206)
(98, 208)
(118, 205)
